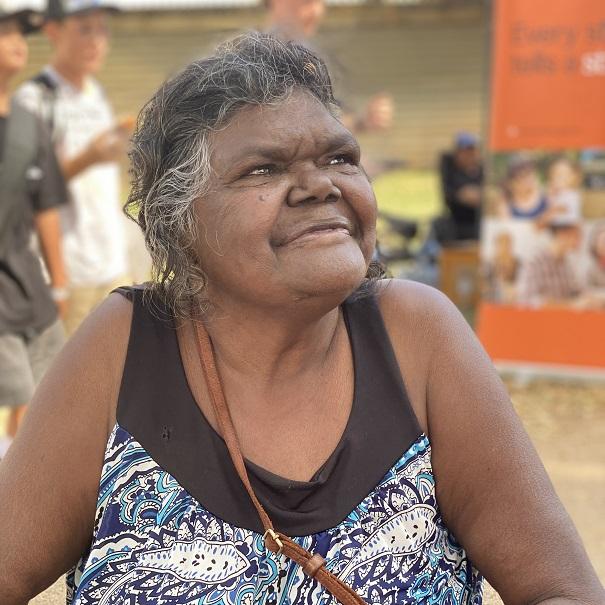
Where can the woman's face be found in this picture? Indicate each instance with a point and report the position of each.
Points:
(290, 214)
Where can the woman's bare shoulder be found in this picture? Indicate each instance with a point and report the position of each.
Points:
(406, 300)
(416, 317)
(421, 317)
(52, 469)
(96, 353)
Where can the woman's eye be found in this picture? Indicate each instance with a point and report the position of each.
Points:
(342, 159)
(260, 171)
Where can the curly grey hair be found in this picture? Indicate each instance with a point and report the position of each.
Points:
(172, 144)
(170, 157)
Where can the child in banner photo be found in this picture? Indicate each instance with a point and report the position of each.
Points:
(563, 186)
(523, 196)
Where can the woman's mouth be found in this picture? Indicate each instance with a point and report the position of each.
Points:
(328, 232)
(323, 234)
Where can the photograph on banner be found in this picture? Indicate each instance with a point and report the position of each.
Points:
(543, 231)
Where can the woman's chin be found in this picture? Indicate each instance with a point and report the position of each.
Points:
(334, 278)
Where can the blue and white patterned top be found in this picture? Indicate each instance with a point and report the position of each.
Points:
(155, 543)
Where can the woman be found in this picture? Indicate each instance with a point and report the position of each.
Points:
(261, 224)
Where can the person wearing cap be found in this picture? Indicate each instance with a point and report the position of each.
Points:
(549, 277)
(89, 144)
(461, 173)
(31, 190)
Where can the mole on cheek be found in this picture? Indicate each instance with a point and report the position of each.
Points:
(261, 198)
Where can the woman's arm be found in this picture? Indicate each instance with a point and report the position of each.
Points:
(49, 478)
(492, 489)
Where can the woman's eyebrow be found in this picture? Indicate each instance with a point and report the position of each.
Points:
(342, 139)
(275, 152)
(265, 151)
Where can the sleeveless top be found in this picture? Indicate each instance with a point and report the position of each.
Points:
(175, 526)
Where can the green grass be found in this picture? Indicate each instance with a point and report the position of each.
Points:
(411, 194)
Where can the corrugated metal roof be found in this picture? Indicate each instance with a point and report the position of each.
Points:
(154, 5)
(158, 5)
(147, 5)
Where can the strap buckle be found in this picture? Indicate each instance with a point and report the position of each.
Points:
(275, 539)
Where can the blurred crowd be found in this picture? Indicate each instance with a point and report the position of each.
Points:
(60, 184)
(63, 240)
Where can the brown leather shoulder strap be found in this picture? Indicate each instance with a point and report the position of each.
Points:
(312, 564)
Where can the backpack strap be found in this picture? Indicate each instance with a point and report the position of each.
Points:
(49, 99)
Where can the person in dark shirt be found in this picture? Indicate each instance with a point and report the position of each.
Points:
(31, 188)
(461, 174)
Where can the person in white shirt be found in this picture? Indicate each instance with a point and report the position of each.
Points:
(89, 144)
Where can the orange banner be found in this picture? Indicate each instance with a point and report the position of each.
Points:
(567, 337)
(548, 75)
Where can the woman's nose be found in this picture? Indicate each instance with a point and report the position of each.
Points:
(313, 186)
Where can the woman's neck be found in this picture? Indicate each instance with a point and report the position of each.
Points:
(270, 345)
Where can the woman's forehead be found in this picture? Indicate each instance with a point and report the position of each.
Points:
(290, 113)
(269, 128)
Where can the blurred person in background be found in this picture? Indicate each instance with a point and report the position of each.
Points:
(89, 144)
(299, 20)
(461, 172)
(31, 189)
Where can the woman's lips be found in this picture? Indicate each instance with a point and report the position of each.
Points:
(321, 234)
(319, 231)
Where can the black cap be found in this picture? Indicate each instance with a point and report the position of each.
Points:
(29, 20)
(59, 9)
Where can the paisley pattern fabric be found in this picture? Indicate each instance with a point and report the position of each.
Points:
(154, 544)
